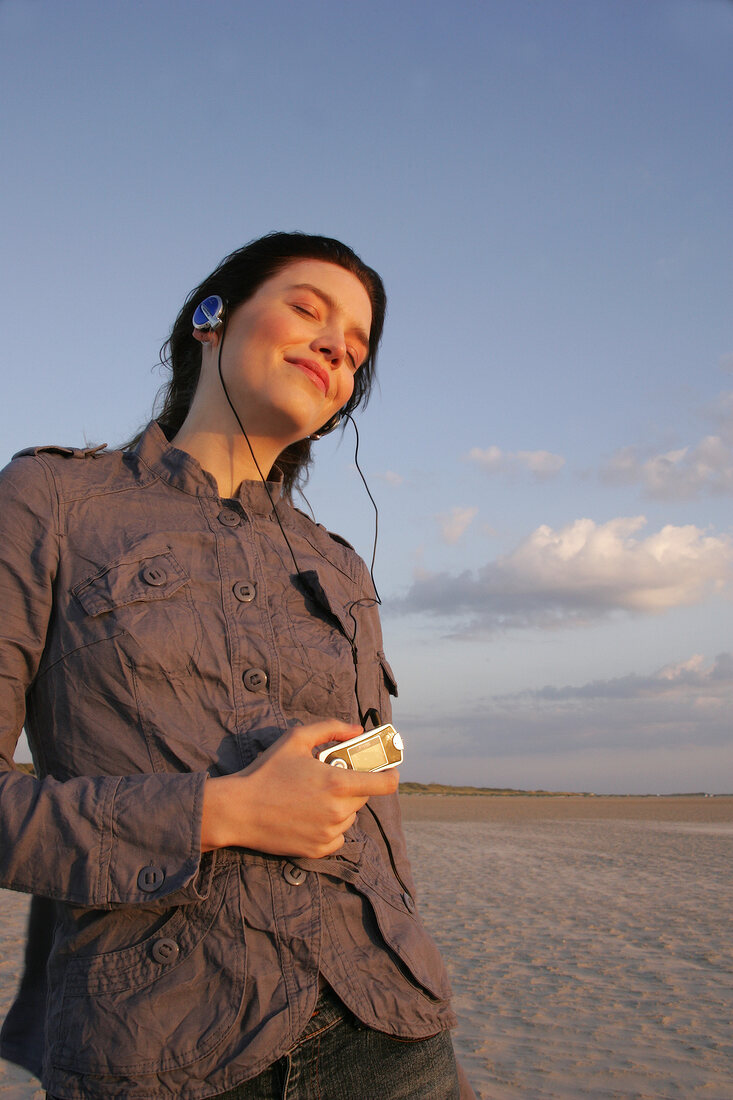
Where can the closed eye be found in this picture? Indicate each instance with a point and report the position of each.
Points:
(309, 311)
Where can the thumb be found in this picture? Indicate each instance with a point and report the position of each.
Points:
(322, 733)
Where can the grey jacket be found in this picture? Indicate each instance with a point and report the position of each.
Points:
(152, 635)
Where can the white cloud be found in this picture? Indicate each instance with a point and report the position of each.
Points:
(392, 478)
(580, 573)
(492, 460)
(685, 472)
(541, 463)
(455, 523)
(676, 475)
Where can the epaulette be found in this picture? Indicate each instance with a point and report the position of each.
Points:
(339, 538)
(67, 452)
(331, 534)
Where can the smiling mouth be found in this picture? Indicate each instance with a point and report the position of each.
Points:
(315, 372)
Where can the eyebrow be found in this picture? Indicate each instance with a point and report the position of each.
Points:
(355, 330)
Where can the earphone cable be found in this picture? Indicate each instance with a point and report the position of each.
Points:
(254, 456)
(374, 505)
(365, 601)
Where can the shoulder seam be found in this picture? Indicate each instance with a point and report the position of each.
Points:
(54, 489)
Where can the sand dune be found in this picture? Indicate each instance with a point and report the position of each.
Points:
(588, 941)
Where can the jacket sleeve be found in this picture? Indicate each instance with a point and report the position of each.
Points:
(100, 841)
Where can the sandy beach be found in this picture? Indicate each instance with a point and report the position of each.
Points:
(588, 941)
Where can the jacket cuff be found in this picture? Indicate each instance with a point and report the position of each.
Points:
(154, 848)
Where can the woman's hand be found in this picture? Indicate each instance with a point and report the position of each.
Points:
(287, 802)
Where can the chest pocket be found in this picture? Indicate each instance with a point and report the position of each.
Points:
(144, 600)
(314, 643)
(341, 631)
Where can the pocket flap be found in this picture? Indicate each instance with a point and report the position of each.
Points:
(152, 576)
(388, 675)
(310, 582)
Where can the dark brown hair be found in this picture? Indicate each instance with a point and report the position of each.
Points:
(236, 279)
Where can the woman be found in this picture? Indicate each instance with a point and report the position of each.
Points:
(217, 912)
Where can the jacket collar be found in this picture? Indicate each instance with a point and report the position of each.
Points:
(182, 471)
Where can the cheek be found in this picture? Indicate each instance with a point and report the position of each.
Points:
(276, 332)
(268, 329)
(346, 388)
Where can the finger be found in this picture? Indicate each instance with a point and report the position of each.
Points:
(345, 824)
(320, 733)
(362, 785)
(332, 848)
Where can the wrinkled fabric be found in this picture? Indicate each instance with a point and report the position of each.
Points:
(337, 1059)
(153, 635)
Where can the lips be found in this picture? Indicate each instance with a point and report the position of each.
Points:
(317, 374)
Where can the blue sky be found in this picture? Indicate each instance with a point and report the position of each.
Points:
(545, 187)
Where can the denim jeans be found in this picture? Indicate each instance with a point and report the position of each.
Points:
(337, 1058)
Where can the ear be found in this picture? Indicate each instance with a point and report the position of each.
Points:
(211, 338)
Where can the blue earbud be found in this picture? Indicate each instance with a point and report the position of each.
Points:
(209, 314)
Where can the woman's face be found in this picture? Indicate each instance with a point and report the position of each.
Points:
(291, 351)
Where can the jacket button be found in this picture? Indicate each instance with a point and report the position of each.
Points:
(294, 875)
(164, 950)
(229, 518)
(154, 574)
(151, 879)
(255, 679)
(244, 591)
(409, 902)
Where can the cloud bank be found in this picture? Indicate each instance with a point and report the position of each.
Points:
(681, 708)
(579, 574)
(684, 678)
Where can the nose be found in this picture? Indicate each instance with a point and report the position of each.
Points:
(331, 345)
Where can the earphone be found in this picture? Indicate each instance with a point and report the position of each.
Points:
(209, 314)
